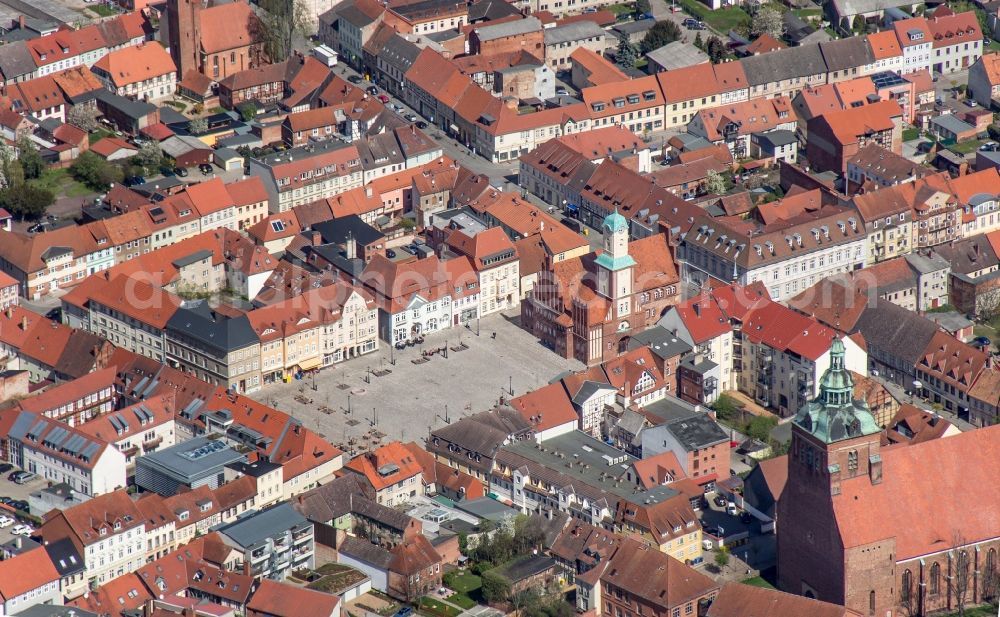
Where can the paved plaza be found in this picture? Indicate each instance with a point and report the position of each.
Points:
(386, 396)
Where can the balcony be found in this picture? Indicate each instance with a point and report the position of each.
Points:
(281, 548)
(256, 558)
(152, 444)
(303, 536)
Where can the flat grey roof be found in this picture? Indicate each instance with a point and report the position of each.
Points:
(573, 31)
(193, 459)
(487, 508)
(262, 525)
(950, 123)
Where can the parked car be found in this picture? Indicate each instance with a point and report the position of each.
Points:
(37, 227)
(19, 504)
(712, 531)
(354, 79)
(562, 91)
(396, 107)
(720, 501)
(731, 510)
(55, 315)
(372, 90)
(6, 521)
(205, 168)
(4, 468)
(22, 530)
(23, 477)
(167, 172)
(421, 124)
(390, 253)
(383, 98)
(181, 171)
(134, 181)
(411, 118)
(403, 612)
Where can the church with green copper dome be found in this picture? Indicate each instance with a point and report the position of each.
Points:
(835, 415)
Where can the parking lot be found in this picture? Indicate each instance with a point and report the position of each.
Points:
(372, 397)
(19, 492)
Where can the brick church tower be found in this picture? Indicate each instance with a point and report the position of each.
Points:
(184, 36)
(834, 438)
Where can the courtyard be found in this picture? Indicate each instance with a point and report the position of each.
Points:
(404, 394)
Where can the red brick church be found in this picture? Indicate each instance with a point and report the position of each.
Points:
(891, 531)
(588, 307)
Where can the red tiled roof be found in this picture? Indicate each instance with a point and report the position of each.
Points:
(136, 64)
(226, 26)
(276, 599)
(26, 572)
(386, 466)
(546, 407)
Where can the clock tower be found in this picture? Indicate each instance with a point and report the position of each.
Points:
(615, 265)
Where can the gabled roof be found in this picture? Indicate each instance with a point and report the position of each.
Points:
(276, 599)
(386, 466)
(742, 600)
(546, 407)
(227, 26)
(655, 577)
(136, 64)
(26, 572)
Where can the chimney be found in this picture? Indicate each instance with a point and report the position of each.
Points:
(351, 247)
(24, 323)
(697, 309)
(317, 238)
(20, 21)
(17, 542)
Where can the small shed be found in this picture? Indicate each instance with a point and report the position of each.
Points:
(228, 159)
(114, 149)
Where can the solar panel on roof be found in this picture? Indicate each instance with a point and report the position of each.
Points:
(122, 419)
(152, 385)
(58, 435)
(75, 444)
(90, 450)
(38, 428)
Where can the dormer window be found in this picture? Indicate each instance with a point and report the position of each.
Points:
(118, 525)
(104, 531)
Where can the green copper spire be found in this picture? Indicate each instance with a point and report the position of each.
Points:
(834, 415)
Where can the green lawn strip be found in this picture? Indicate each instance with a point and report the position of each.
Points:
(966, 147)
(436, 607)
(757, 581)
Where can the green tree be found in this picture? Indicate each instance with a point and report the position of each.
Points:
(95, 172)
(28, 201)
(495, 588)
(276, 25)
(722, 557)
(31, 160)
(700, 44)
(627, 54)
(859, 24)
(84, 117)
(716, 49)
(715, 184)
(13, 174)
(727, 407)
(197, 126)
(760, 428)
(660, 34)
(248, 111)
(642, 7)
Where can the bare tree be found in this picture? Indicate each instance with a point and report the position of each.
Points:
(959, 574)
(276, 25)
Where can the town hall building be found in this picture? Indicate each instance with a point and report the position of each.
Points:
(588, 307)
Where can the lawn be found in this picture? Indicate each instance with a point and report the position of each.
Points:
(966, 147)
(464, 582)
(98, 135)
(103, 10)
(994, 45)
(61, 184)
(466, 586)
(757, 581)
(720, 20)
(990, 610)
(621, 9)
(806, 13)
(911, 133)
(436, 607)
